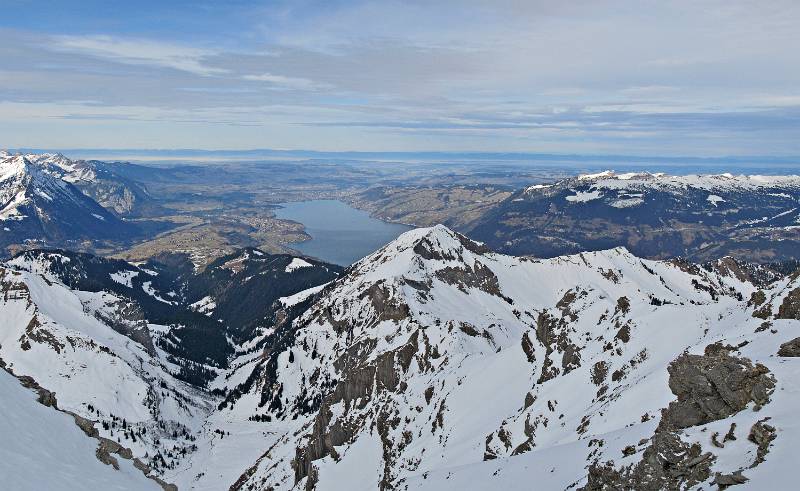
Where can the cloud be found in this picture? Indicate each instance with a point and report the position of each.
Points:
(140, 52)
(283, 82)
(711, 76)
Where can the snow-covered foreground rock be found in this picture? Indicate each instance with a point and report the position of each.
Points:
(435, 363)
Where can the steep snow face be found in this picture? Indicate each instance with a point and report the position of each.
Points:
(43, 449)
(434, 362)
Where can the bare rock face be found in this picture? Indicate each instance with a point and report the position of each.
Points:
(726, 480)
(128, 319)
(385, 305)
(45, 397)
(712, 387)
(790, 348)
(360, 382)
(790, 308)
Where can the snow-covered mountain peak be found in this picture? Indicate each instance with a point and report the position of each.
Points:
(429, 248)
(612, 180)
(439, 354)
(432, 363)
(19, 167)
(40, 203)
(437, 239)
(62, 167)
(23, 182)
(13, 166)
(54, 164)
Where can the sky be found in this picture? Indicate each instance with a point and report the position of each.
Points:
(644, 77)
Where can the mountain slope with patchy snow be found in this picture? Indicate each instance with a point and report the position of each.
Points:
(702, 217)
(119, 346)
(101, 181)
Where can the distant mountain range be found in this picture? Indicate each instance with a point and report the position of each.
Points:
(433, 363)
(700, 217)
(441, 156)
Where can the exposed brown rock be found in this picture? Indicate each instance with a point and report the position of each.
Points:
(358, 382)
(599, 372)
(386, 307)
(727, 480)
(623, 305)
(762, 435)
(668, 463)
(527, 347)
(757, 299)
(478, 276)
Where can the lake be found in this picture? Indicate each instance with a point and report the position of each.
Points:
(340, 234)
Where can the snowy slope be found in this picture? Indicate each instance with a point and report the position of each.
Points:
(83, 328)
(43, 449)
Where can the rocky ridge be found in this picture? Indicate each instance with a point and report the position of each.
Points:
(434, 360)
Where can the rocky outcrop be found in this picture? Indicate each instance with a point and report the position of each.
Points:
(712, 387)
(127, 318)
(790, 348)
(667, 463)
(790, 308)
(386, 306)
(725, 481)
(553, 334)
(708, 387)
(479, 277)
(762, 435)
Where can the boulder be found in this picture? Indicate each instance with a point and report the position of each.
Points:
(790, 348)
